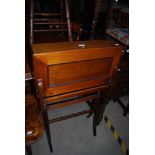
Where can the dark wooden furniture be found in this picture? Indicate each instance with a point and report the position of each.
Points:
(119, 27)
(50, 21)
(33, 122)
(121, 87)
(123, 19)
(72, 72)
(44, 24)
(122, 80)
(120, 33)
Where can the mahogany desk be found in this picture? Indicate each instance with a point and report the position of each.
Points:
(74, 72)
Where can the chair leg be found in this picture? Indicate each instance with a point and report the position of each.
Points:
(47, 129)
(28, 149)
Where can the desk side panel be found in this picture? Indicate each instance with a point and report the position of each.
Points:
(40, 72)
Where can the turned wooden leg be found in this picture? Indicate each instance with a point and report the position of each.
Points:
(28, 149)
(47, 129)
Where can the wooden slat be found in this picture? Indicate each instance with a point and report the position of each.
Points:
(50, 30)
(74, 87)
(77, 93)
(47, 14)
(75, 101)
(69, 116)
(50, 23)
(45, 19)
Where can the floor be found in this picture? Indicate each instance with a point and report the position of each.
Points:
(75, 137)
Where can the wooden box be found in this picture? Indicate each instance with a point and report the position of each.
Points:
(75, 67)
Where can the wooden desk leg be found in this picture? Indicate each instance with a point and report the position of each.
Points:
(92, 107)
(98, 113)
(44, 114)
(126, 109)
(94, 123)
(28, 149)
(47, 129)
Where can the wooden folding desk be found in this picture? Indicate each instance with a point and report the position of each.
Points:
(72, 72)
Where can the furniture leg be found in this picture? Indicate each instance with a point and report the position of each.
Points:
(126, 109)
(100, 109)
(28, 149)
(90, 113)
(97, 114)
(47, 129)
(90, 104)
(94, 124)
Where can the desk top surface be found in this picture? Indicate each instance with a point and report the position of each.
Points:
(57, 47)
